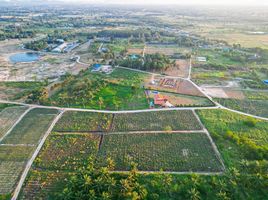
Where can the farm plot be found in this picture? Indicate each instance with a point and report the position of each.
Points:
(220, 122)
(31, 128)
(9, 173)
(83, 122)
(8, 118)
(167, 50)
(156, 121)
(181, 69)
(67, 152)
(189, 152)
(12, 162)
(180, 86)
(42, 184)
(255, 107)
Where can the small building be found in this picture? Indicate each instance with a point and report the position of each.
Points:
(265, 82)
(201, 59)
(96, 67)
(160, 99)
(107, 69)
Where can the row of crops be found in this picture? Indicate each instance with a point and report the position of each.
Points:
(18, 146)
(147, 121)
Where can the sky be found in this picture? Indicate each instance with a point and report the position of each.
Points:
(180, 2)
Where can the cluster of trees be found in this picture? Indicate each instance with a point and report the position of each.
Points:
(36, 45)
(150, 62)
(251, 149)
(13, 32)
(94, 182)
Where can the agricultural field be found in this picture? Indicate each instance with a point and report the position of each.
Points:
(254, 102)
(8, 118)
(12, 162)
(31, 128)
(72, 121)
(238, 137)
(66, 151)
(156, 121)
(180, 86)
(254, 107)
(168, 50)
(169, 152)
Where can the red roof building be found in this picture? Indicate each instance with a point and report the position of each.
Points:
(160, 99)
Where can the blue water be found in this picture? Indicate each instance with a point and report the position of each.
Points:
(24, 57)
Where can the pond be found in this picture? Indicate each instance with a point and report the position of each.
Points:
(24, 57)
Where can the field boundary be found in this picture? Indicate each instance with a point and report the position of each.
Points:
(214, 146)
(30, 162)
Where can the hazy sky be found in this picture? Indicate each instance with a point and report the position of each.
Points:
(202, 2)
(220, 2)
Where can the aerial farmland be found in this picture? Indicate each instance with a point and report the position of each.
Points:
(119, 102)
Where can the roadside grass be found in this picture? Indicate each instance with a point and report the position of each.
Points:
(31, 128)
(156, 121)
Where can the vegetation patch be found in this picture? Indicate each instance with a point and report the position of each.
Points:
(156, 121)
(169, 152)
(72, 121)
(8, 118)
(31, 128)
(66, 152)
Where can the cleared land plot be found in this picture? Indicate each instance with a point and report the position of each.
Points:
(83, 122)
(8, 118)
(167, 50)
(170, 152)
(31, 128)
(67, 152)
(181, 69)
(156, 121)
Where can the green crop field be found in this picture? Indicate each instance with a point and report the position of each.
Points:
(8, 118)
(83, 122)
(237, 137)
(31, 128)
(66, 152)
(156, 121)
(12, 162)
(170, 152)
(251, 106)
